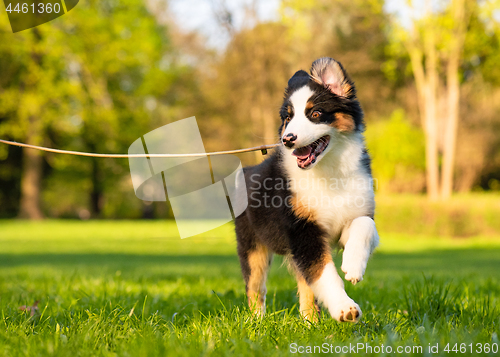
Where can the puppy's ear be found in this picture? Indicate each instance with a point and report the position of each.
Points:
(330, 74)
(299, 76)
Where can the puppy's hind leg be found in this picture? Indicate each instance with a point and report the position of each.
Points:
(359, 239)
(307, 304)
(255, 260)
(308, 308)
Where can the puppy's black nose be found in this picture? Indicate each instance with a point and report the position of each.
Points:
(289, 140)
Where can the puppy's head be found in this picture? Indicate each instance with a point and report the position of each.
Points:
(318, 109)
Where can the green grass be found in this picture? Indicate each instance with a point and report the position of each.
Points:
(135, 289)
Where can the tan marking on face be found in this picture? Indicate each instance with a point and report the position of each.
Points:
(344, 122)
(309, 105)
(289, 111)
(259, 262)
(302, 209)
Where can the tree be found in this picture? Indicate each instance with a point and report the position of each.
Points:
(95, 80)
(33, 94)
(435, 44)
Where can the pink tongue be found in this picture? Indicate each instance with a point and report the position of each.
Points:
(306, 162)
(303, 152)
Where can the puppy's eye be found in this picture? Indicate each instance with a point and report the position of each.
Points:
(287, 119)
(316, 114)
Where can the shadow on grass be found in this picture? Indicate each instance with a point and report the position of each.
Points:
(449, 262)
(134, 266)
(485, 262)
(55, 259)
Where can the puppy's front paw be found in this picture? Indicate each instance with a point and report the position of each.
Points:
(347, 311)
(353, 265)
(353, 272)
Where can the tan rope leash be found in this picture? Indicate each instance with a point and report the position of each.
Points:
(262, 148)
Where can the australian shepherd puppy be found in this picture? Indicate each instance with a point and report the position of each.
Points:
(313, 193)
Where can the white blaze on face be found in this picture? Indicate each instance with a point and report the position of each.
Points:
(305, 130)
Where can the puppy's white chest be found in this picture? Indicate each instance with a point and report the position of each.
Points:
(334, 202)
(338, 189)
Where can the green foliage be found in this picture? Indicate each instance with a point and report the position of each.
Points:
(482, 43)
(34, 93)
(134, 288)
(93, 80)
(398, 154)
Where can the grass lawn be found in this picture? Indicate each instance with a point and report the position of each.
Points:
(125, 288)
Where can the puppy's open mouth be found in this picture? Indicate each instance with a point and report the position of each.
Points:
(307, 155)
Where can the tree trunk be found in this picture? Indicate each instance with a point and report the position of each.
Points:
(31, 179)
(431, 115)
(30, 184)
(96, 195)
(431, 152)
(453, 96)
(426, 82)
(450, 134)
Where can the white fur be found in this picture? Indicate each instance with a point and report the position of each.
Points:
(359, 240)
(329, 290)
